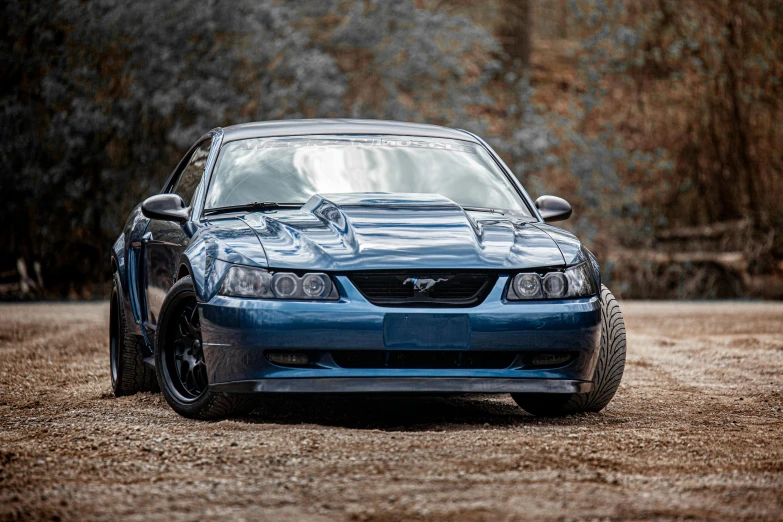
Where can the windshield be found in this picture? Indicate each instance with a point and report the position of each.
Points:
(291, 170)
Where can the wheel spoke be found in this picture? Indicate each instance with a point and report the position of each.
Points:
(191, 382)
(182, 370)
(186, 358)
(193, 331)
(200, 375)
(182, 326)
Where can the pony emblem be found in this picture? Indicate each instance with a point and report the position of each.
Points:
(423, 284)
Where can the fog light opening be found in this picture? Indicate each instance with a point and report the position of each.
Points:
(288, 358)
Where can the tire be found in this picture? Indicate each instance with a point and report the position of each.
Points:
(606, 379)
(129, 374)
(182, 374)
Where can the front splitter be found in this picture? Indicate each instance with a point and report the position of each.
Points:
(402, 385)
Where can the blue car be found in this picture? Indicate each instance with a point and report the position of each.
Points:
(337, 256)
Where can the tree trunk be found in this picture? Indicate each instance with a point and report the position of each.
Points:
(516, 32)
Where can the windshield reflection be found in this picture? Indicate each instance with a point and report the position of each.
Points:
(291, 170)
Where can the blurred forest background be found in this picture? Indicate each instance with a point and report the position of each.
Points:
(661, 121)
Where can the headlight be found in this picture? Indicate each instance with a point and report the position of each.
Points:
(527, 286)
(574, 282)
(243, 281)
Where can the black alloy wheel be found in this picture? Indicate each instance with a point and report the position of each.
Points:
(185, 361)
(179, 355)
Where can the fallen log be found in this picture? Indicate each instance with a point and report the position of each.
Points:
(733, 261)
(713, 230)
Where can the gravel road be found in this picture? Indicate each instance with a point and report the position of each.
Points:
(695, 432)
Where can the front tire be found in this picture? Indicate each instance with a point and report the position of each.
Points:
(179, 358)
(608, 371)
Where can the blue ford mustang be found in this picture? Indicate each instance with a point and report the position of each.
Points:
(356, 256)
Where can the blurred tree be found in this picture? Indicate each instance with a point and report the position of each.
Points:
(655, 113)
(101, 98)
(687, 96)
(404, 63)
(726, 55)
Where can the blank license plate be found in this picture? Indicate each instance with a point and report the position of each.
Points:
(426, 331)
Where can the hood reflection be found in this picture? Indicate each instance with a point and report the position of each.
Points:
(373, 231)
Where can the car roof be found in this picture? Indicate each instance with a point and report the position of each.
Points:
(266, 129)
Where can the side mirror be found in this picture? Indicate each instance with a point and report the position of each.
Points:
(165, 207)
(553, 208)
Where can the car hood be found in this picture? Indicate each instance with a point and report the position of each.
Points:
(377, 231)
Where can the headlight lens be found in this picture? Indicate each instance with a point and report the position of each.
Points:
(314, 285)
(285, 285)
(244, 281)
(527, 286)
(555, 284)
(574, 282)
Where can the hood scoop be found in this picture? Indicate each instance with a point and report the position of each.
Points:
(338, 209)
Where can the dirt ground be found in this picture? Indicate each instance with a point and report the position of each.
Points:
(695, 432)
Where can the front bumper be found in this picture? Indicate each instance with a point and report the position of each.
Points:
(237, 333)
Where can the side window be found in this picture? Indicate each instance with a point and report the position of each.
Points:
(192, 173)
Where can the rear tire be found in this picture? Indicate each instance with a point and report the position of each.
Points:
(606, 379)
(179, 359)
(129, 374)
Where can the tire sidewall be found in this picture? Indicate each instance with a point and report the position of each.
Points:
(116, 334)
(611, 348)
(612, 353)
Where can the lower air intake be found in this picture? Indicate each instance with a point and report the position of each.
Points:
(423, 359)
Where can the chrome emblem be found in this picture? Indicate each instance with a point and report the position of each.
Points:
(423, 284)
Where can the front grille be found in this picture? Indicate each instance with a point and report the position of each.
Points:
(459, 289)
(423, 359)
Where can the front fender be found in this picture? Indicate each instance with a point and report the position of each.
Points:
(569, 244)
(205, 271)
(572, 249)
(596, 267)
(209, 256)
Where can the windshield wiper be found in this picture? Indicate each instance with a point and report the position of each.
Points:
(483, 209)
(254, 207)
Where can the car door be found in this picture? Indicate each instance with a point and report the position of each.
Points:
(164, 241)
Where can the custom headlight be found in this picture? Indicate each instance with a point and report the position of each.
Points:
(244, 281)
(574, 282)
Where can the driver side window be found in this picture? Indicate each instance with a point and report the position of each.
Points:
(192, 173)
